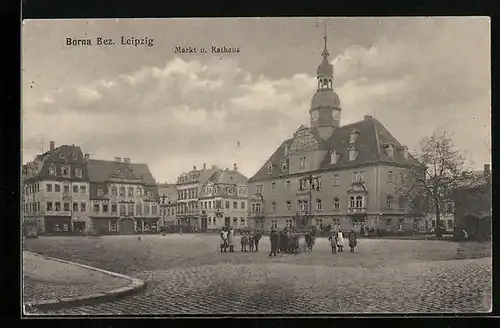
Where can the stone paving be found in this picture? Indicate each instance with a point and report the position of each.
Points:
(46, 279)
(187, 274)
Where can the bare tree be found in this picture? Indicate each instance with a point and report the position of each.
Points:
(430, 184)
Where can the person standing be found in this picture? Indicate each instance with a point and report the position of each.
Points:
(333, 242)
(352, 240)
(274, 238)
(340, 241)
(223, 240)
(251, 241)
(257, 237)
(244, 241)
(230, 240)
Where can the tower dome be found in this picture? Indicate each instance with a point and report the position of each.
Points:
(325, 68)
(325, 98)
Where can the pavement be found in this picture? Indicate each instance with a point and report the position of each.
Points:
(51, 283)
(188, 275)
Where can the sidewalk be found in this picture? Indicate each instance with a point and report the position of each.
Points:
(54, 283)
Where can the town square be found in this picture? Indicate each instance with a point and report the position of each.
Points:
(324, 176)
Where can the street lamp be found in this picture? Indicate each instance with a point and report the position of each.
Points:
(314, 184)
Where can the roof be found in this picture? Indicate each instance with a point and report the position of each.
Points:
(370, 143)
(227, 177)
(100, 171)
(325, 98)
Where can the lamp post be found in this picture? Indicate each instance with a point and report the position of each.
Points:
(314, 184)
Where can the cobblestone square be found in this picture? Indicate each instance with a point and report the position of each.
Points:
(187, 274)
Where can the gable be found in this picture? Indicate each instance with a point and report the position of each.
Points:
(304, 141)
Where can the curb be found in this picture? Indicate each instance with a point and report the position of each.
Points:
(135, 285)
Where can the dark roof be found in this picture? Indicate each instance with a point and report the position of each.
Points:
(101, 171)
(227, 177)
(371, 141)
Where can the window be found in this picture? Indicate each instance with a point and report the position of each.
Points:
(49, 206)
(57, 188)
(286, 150)
(389, 176)
(242, 205)
(138, 192)
(318, 205)
(317, 184)
(353, 153)
(131, 192)
(114, 191)
(352, 136)
(122, 209)
(449, 208)
(154, 209)
(58, 206)
(449, 223)
(390, 150)
(336, 203)
(270, 168)
(218, 204)
(227, 204)
(433, 223)
(112, 226)
(78, 172)
(352, 202)
(303, 163)
(66, 189)
(288, 185)
(288, 205)
(66, 207)
(62, 156)
(259, 189)
(75, 189)
(56, 227)
(284, 166)
(146, 209)
(361, 176)
(242, 221)
(122, 191)
(209, 221)
(65, 227)
(389, 201)
(288, 223)
(402, 177)
(130, 209)
(52, 170)
(65, 171)
(83, 207)
(100, 192)
(273, 206)
(256, 207)
(48, 187)
(235, 221)
(75, 156)
(333, 157)
(359, 201)
(274, 224)
(96, 208)
(138, 209)
(105, 208)
(273, 187)
(113, 208)
(335, 179)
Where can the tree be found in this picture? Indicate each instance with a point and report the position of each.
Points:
(430, 184)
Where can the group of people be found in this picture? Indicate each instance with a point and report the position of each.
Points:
(337, 241)
(287, 241)
(249, 240)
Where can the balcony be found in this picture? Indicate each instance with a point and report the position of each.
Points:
(357, 210)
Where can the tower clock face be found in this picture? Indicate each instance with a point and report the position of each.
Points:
(315, 115)
(335, 115)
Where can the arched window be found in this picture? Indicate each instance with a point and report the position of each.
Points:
(270, 168)
(359, 201)
(352, 202)
(336, 203)
(284, 166)
(333, 157)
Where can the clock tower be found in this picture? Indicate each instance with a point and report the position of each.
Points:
(325, 104)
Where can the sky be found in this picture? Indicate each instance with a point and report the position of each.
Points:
(417, 76)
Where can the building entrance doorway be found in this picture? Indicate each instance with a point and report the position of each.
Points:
(203, 224)
(127, 226)
(79, 226)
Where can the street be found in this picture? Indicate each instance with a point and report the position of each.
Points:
(187, 274)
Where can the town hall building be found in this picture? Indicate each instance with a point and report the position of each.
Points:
(328, 173)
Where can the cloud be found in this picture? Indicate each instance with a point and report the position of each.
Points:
(188, 113)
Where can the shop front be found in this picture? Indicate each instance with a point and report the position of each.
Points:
(58, 225)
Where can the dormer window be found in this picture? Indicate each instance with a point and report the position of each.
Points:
(79, 172)
(65, 171)
(353, 134)
(75, 156)
(62, 156)
(270, 168)
(404, 151)
(286, 150)
(353, 153)
(52, 170)
(100, 192)
(284, 165)
(333, 157)
(389, 149)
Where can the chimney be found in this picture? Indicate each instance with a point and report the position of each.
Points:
(194, 168)
(487, 170)
(235, 167)
(368, 117)
(87, 157)
(52, 145)
(204, 166)
(126, 160)
(118, 159)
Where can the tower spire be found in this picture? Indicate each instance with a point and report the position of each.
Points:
(325, 51)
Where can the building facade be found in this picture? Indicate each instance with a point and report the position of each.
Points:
(168, 204)
(224, 200)
(345, 176)
(56, 191)
(124, 197)
(473, 206)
